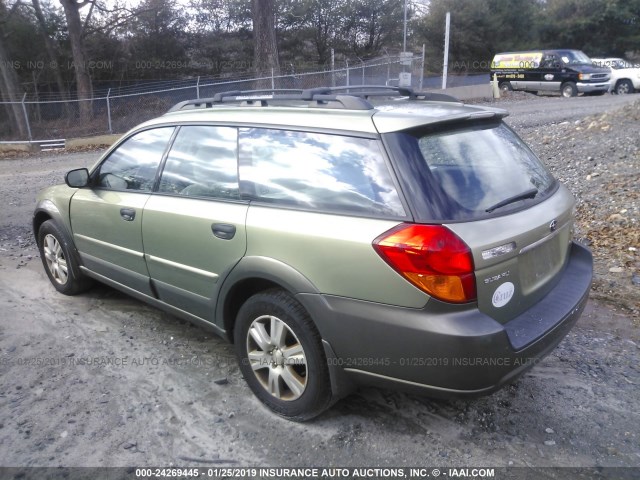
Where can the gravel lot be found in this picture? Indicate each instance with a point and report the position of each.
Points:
(598, 158)
(103, 380)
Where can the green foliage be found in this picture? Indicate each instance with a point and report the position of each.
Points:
(481, 28)
(169, 39)
(599, 27)
(156, 39)
(24, 45)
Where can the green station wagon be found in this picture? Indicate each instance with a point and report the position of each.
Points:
(338, 237)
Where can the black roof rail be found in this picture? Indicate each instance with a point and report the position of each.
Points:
(355, 97)
(219, 98)
(317, 97)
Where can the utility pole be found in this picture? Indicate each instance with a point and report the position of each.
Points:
(446, 51)
(404, 33)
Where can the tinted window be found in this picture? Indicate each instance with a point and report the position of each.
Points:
(203, 163)
(133, 165)
(314, 170)
(468, 172)
(551, 61)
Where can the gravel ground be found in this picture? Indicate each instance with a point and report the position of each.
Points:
(598, 158)
(103, 380)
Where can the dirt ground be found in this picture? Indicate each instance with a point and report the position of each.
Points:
(103, 380)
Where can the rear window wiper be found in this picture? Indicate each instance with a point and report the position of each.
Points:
(531, 193)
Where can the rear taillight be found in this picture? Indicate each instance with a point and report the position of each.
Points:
(431, 257)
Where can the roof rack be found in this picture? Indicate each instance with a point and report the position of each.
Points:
(355, 97)
(368, 91)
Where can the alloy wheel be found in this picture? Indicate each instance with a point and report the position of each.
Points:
(277, 358)
(56, 262)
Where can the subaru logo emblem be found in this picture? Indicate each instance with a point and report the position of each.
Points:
(553, 225)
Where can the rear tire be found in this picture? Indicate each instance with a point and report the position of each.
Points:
(624, 87)
(281, 355)
(505, 87)
(60, 261)
(568, 90)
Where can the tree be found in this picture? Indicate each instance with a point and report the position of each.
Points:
(599, 27)
(50, 47)
(479, 29)
(157, 39)
(220, 39)
(310, 22)
(370, 25)
(75, 28)
(9, 83)
(265, 48)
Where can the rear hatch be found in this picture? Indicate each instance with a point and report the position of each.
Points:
(517, 257)
(482, 182)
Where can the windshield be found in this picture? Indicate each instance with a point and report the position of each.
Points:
(470, 172)
(574, 57)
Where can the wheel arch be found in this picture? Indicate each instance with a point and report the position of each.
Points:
(47, 210)
(39, 217)
(253, 275)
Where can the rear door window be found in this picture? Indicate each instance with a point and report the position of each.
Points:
(317, 171)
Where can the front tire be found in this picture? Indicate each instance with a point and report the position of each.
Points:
(281, 355)
(59, 260)
(568, 90)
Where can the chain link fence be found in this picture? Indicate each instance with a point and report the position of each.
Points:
(118, 110)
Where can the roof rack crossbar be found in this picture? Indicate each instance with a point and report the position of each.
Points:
(220, 97)
(383, 90)
(379, 89)
(348, 102)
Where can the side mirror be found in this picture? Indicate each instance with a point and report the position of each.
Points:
(77, 178)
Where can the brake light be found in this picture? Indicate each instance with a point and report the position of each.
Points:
(431, 257)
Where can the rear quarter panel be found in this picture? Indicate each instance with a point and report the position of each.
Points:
(333, 251)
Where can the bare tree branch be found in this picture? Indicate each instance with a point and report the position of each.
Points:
(88, 18)
(117, 21)
(14, 7)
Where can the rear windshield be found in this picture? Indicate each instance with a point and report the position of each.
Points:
(475, 171)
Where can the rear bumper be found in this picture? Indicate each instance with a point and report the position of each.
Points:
(446, 350)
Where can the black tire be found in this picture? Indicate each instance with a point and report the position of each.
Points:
(623, 87)
(568, 89)
(505, 87)
(295, 388)
(60, 261)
